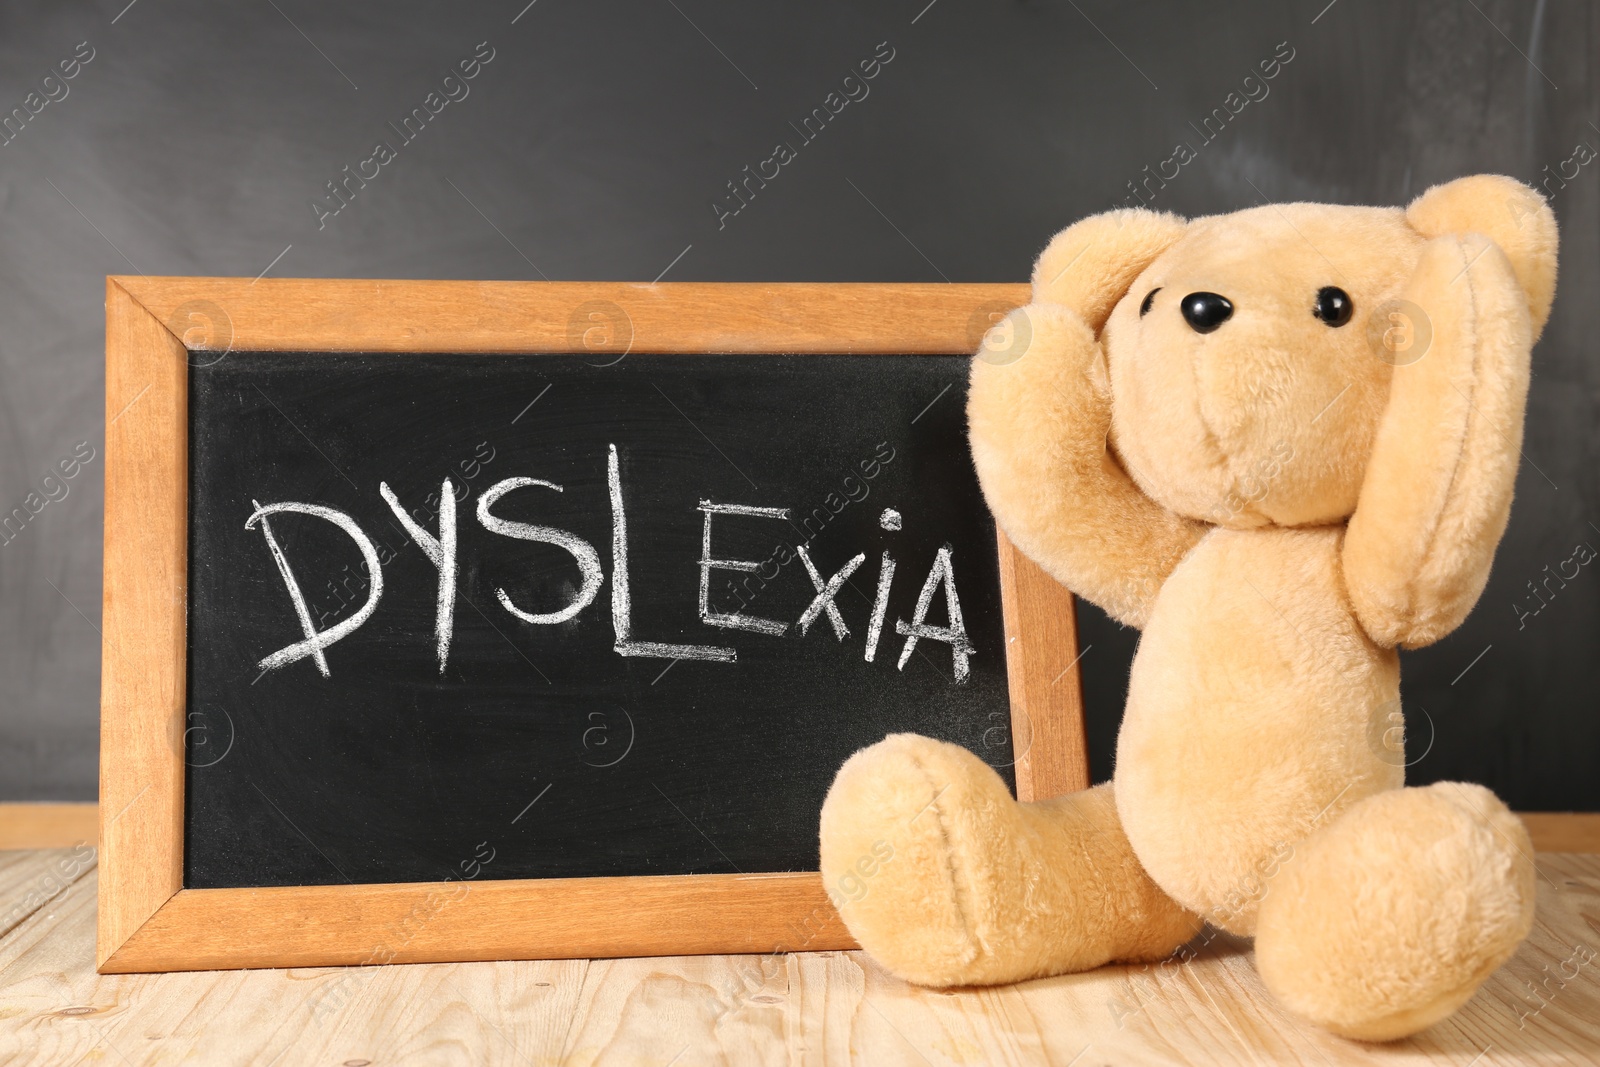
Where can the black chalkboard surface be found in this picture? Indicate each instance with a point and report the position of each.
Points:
(538, 749)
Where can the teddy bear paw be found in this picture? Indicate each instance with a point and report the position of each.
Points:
(1391, 918)
(897, 853)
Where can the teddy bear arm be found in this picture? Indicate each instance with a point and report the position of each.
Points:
(1437, 491)
(1089, 266)
(1039, 430)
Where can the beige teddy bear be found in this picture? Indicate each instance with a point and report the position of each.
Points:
(1280, 442)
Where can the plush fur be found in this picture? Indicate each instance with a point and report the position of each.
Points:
(1278, 503)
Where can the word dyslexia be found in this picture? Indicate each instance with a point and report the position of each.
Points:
(439, 546)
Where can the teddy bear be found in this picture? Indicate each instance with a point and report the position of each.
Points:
(1281, 443)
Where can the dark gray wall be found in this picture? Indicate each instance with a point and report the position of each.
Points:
(595, 141)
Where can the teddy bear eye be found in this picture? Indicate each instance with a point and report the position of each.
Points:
(1144, 308)
(1333, 306)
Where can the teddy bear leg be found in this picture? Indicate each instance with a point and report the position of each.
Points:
(947, 880)
(1390, 918)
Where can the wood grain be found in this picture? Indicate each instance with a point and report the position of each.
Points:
(801, 1008)
(47, 825)
(603, 317)
(1563, 831)
(142, 618)
(1042, 671)
(349, 925)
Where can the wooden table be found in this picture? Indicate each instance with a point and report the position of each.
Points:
(810, 1008)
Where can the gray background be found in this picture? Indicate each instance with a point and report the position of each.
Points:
(592, 146)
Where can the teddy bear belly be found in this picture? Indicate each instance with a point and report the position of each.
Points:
(1257, 712)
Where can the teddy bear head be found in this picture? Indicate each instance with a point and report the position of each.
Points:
(1250, 355)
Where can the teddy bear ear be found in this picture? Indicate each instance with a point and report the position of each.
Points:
(1510, 214)
(1089, 265)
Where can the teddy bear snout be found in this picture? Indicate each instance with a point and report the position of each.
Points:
(1204, 312)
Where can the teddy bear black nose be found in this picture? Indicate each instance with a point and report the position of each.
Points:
(1204, 312)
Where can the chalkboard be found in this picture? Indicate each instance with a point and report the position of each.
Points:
(458, 621)
(710, 746)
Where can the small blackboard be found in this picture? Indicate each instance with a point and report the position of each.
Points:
(601, 615)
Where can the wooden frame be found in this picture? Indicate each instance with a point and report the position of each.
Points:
(148, 921)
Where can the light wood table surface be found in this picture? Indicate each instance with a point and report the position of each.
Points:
(808, 1008)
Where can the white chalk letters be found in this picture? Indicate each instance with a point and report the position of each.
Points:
(441, 552)
(315, 642)
(734, 620)
(441, 549)
(582, 551)
(621, 600)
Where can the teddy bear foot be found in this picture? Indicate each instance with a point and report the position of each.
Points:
(946, 880)
(1391, 918)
